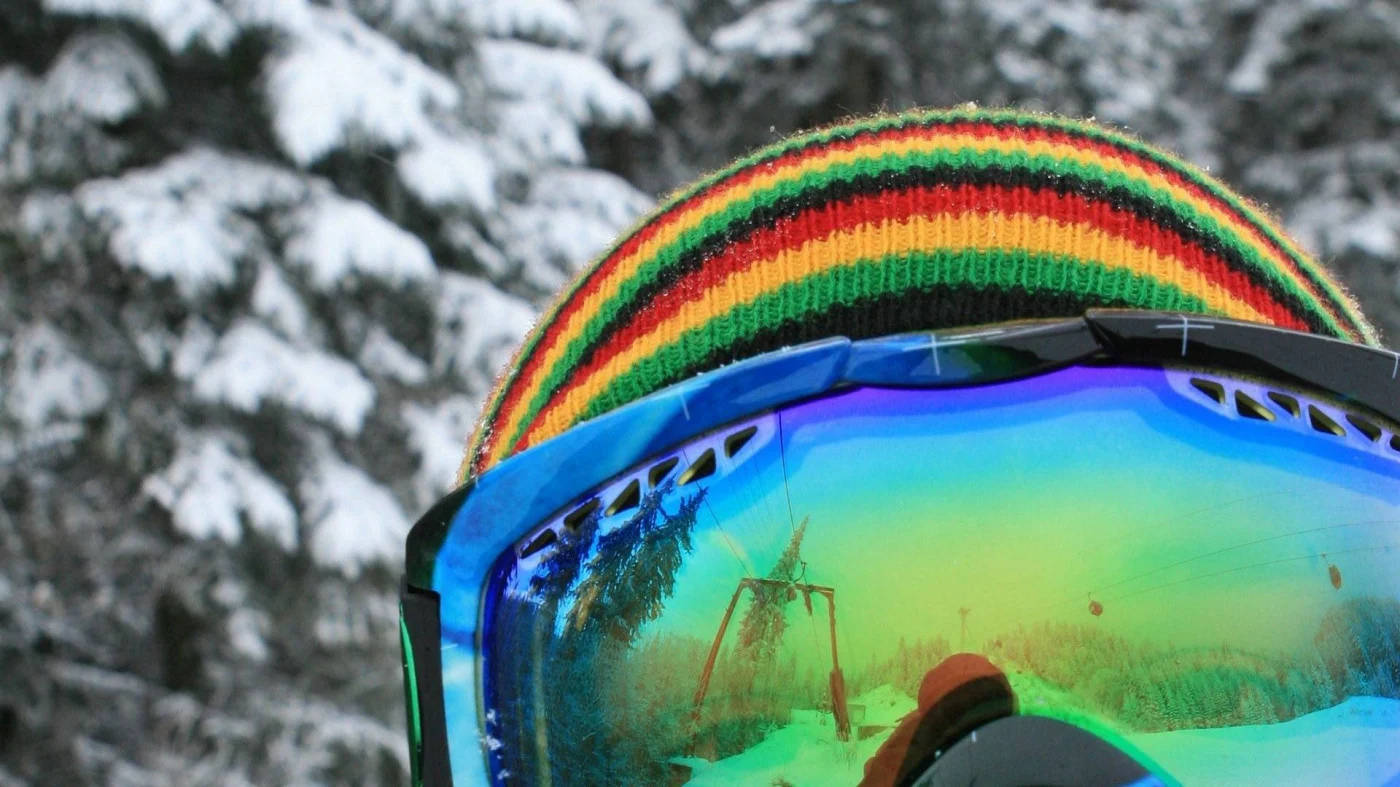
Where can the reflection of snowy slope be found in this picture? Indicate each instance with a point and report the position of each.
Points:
(1357, 742)
(806, 751)
(881, 705)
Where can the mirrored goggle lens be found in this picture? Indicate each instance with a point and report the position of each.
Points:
(1196, 569)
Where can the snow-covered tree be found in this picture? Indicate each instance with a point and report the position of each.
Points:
(261, 262)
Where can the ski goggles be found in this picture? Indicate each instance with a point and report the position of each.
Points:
(1176, 534)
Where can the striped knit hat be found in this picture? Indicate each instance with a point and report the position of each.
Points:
(900, 223)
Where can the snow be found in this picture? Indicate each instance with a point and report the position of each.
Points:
(1269, 42)
(336, 238)
(251, 366)
(192, 350)
(154, 345)
(647, 36)
(179, 23)
(354, 617)
(805, 752)
(354, 521)
(605, 199)
(341, 83)
(210, 490)
(103, 77)
(539, 133)
(183, 218)
(1021, 68)
(187, 219)
(545, 21)
(1348, 208)
(437, 433)
(883, 704)
(1356, 742)
(37, 443)
(49, 381)
(443, 170)
(284, 15)
(196, 246)
(245, 630)
(275, 300)
(50, 223)
(1375, 230)
(383, 356)
(478, 328)
(774, 30)
(464, 237)
(584, 89)
(319, 728)
(103, 681)
(570, 216)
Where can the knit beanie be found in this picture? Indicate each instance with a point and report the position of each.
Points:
(899, 223)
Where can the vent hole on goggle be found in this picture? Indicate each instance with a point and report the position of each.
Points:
(1395, 442)
(1249, 407)
(700, 468)
(736, 441)
(541, 541)
(1286, 402)
(660, 470)
(629, 498)
(1322, 423)
(575, 518)
(1372, 432)
(1210, 388)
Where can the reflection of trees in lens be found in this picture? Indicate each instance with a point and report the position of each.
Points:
(752, 691)
(1083, 671)
(618, 703)
(761, 630)
(613, 714)
(1359, 642)
(561, 569)
(634, 570)
(903, 669)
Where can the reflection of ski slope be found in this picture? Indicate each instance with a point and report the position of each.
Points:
(1357, 742)
(806, 751)
(881, 705)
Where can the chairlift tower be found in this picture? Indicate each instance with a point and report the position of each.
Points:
(837, 679)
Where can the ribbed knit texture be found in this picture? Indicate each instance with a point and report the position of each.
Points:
(898, 223)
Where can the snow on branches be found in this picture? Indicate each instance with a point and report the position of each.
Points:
(337, 241)
(49, 381)
(354, 521)
(212, 489)
(186, 219)
(340, 83)
(251, 367)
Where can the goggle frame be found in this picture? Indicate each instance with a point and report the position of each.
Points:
(1363, 379)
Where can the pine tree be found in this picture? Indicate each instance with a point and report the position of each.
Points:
(627, 582)
(761, 629)
(261, 262)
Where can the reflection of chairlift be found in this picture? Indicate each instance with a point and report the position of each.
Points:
(837, 682)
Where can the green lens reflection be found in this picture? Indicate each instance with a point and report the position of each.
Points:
(1215, 595)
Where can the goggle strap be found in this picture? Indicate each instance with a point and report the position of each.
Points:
(423, 684)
